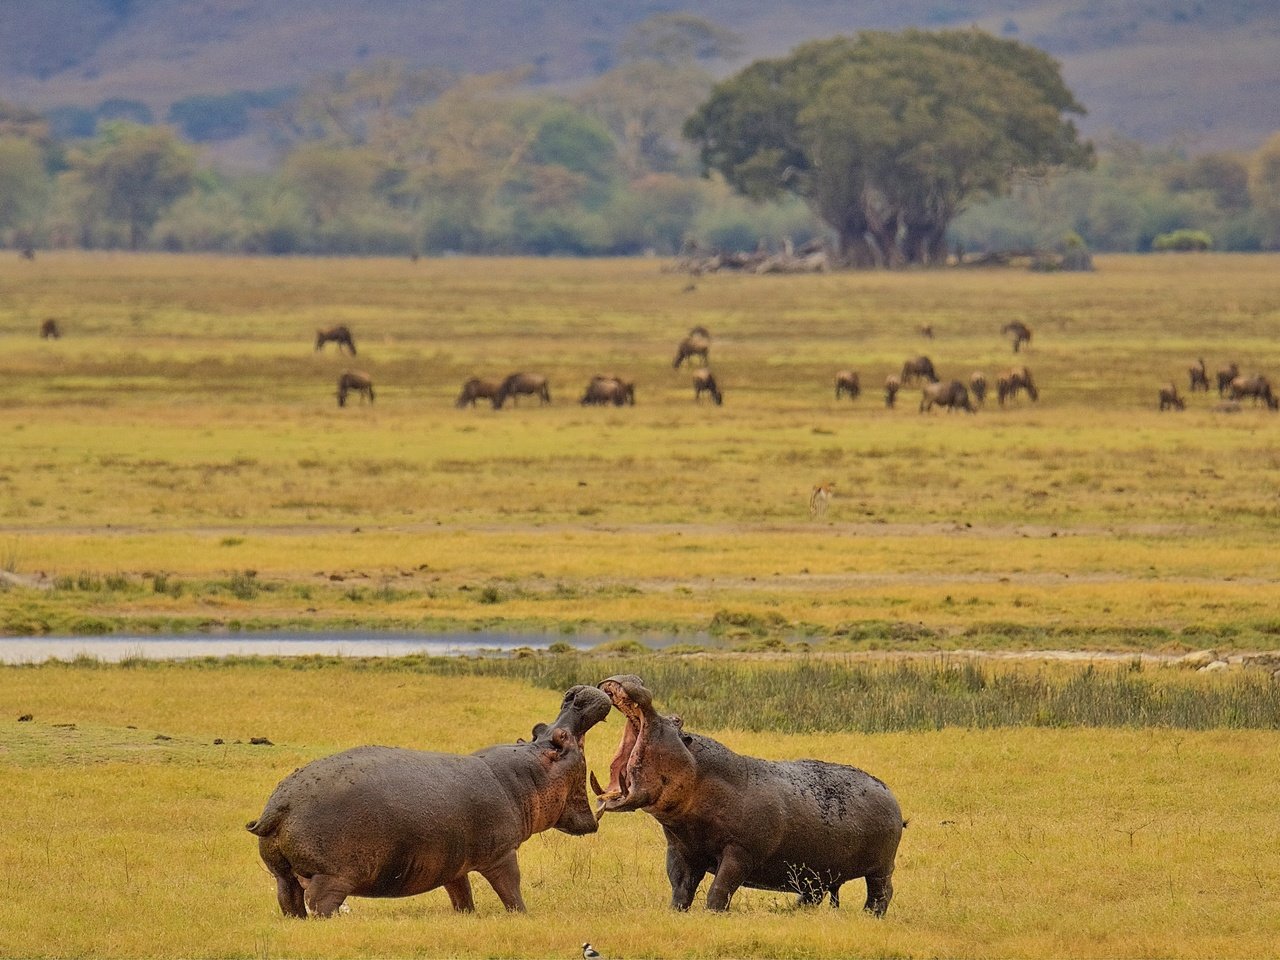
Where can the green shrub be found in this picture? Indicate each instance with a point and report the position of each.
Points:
(244, 585)
(1182, 240)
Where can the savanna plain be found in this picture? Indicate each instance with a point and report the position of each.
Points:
(177, 461)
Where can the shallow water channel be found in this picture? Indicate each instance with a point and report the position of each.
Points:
(341, 644)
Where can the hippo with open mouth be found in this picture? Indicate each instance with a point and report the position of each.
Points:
(387, 822)
(802, 826)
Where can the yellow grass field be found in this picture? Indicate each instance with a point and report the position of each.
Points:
(1021, 843)
(177, 460)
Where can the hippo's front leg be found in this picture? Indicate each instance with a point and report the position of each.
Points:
(733, 870)
(460, 894)
(684, 876)
(504, 877)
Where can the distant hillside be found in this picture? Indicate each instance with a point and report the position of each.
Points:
(1204, 72)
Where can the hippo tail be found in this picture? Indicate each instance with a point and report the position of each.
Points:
(266, 824)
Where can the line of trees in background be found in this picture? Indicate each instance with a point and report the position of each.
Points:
(897, 146)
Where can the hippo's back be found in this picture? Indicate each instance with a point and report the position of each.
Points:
(366, 779)
(839, 823)
(392, 822)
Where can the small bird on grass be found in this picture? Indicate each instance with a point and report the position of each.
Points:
(589, 952)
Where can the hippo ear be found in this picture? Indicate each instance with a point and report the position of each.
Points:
(538, 730)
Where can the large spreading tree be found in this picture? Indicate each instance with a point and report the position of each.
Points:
(888, 136)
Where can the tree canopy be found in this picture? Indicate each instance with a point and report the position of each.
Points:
(135, 173)
(889, 136)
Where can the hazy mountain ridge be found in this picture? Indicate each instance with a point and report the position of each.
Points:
(1156, 70)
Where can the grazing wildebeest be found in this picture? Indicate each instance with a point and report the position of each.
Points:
(1256, 388)
(1225, 376)
(476, 389)
(354, 381)
(978, 386)
(339, 335)
(847, 382)
(1169, 399)
(1199, 376)
(704, 382)
(1010, 382)
(603, 390)
(951, 395)
(49, 330)
(892, 384)
(529, 384)
(920, 368)
(1020, 331)
(28, 253)
(696, 344)
(926, 331)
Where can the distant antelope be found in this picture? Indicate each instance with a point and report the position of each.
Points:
(354, 381)
(476, 389)
(847, 382)
(1257, 387)
(339, 335)
(978, 386)
(49, 330)
(1225, 376)
(892, 384)
(1009, 383)
(1199, 376)
(705, 382)
(697, 344)
(918, 368)
(604, 390)
(523, 384)
(819, 500)
(1020, 331)
(1169, 399)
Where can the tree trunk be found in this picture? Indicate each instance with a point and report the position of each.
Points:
(856, 250)
(926, 243)
(885, 236)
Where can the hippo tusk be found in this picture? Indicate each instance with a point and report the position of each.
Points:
(595, 785)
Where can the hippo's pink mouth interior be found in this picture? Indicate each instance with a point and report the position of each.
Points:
(624, 761)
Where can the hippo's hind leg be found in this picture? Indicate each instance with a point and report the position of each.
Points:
(879, 893)
(326, 892)
(288, 889)
(289, 894)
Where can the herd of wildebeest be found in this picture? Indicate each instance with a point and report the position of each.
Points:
(952, 395)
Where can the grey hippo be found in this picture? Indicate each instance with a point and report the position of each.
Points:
(802, 826)
(389, 822)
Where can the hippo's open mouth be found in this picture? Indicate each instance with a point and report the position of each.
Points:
(620, 794)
